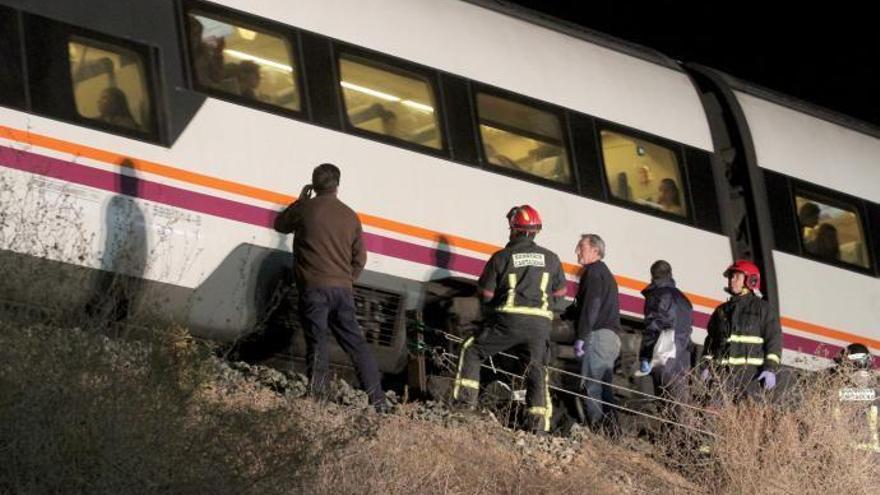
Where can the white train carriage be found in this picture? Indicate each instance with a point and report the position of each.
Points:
(441, 115)
(822, 179)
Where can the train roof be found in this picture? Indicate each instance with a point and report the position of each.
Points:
(578, 31)
(811, 143)
(799, 105)
(657, 57)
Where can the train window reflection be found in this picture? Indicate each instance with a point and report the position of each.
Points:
(644, 173)
(522, 138)
(389, 102)
(109, 84)
(831, 233)
(242, 61)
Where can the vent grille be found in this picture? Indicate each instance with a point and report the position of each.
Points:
(377, 312)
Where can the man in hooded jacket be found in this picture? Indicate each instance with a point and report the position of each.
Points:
(666, 309)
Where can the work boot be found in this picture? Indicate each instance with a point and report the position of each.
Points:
(469, 412)
(535, 426)
(460, 407)
(383, 408)
(539, 432)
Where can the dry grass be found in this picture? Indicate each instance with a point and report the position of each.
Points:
(804, 446)
(413, 457)
(80, 413)
(154, 413)
(83, 413)
(409, 456)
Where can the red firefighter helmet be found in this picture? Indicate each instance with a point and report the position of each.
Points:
(524, 219)
(753, 275)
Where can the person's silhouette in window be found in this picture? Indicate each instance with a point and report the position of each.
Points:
(645, 183)
(207, 55)
(248, 76)
(808, 216)
(623, 189)
(670, 197)
(113, 108)
(827, 243)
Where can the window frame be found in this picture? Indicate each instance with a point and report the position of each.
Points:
(402, 68)
(706, 211)
(561, 113)
(676, 148)
(242, 19)
(15, 36)
(582, 132)
(835, 199)
(56, 42)
(462, 141)
(873, 233)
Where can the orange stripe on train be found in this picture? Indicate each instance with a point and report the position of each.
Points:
(181, 175)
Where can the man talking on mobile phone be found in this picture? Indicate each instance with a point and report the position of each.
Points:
(328, 256)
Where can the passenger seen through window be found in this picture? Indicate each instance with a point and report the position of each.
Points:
(831, 232)
(109, 84)
(243, 61)
(642, 172)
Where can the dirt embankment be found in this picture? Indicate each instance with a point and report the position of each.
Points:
(159, 413)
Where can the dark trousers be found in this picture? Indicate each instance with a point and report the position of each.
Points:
(740, 382)
(326, 310)
(531, 333)
(670, 382)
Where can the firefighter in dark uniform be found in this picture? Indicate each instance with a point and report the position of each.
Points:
(744, 341)
(518, 284)
(859, 395)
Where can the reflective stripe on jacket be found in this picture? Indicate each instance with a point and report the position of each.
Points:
(523, 277)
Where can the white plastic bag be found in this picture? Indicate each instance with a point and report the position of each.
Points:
(664, 348)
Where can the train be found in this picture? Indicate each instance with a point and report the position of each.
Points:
(146, 147)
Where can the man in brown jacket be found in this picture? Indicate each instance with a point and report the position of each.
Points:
(328, 256)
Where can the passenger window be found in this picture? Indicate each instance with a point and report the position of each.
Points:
(831, 232)
(11, 81)
(389, 102)
(643, 173)
(523, 138)
(109, 84)
(243, 61)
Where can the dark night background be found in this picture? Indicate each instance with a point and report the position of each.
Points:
(827, 54)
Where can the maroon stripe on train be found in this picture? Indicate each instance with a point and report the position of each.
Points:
(262, 217)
